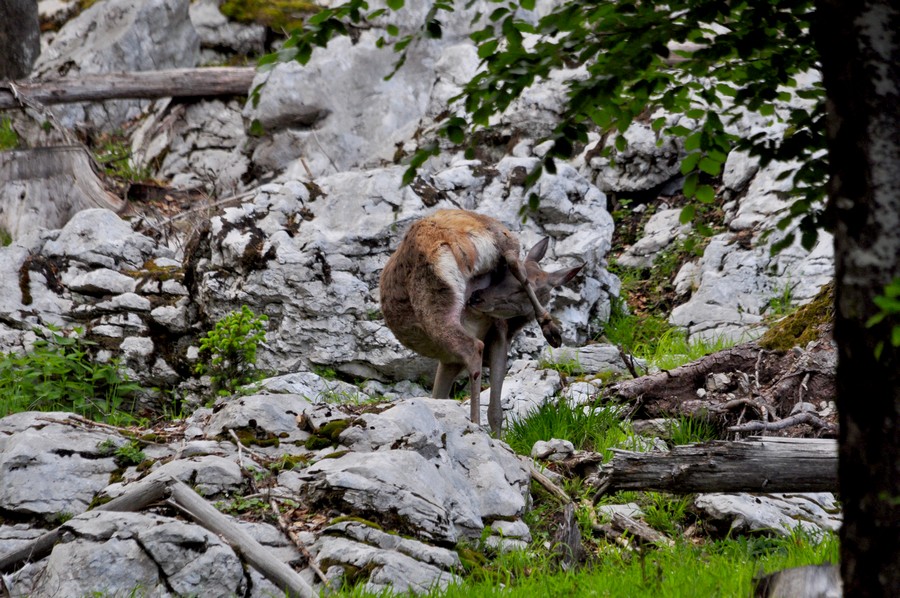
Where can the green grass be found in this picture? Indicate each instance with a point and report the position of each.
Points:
(689, 430)
(585, 426)
(655, 340)
(725, 568)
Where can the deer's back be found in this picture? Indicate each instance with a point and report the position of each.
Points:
(427, 280)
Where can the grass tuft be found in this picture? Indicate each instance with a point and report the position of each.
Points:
(587, 427)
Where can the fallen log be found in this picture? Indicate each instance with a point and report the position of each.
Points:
(753, 465)
(199, 82)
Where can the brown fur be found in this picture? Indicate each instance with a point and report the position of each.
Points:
(456, 290)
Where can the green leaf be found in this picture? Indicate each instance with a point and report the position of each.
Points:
(527, 4)
(692, 141)
(488, 48)
(687, 214)
(706, 194)
(690, 162)
(395, 4)
(455, 134)
(710, 166)
(690, 185)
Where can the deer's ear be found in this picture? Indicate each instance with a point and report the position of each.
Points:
(561, 277)
(537, 253)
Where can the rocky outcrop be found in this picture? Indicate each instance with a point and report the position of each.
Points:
(417, 466)
(119, 35)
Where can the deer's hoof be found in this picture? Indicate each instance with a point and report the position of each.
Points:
(551, 332)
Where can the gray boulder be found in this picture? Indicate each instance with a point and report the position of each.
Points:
(119, 35)
(50, 469)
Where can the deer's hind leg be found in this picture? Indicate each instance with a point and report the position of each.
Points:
(441, 317)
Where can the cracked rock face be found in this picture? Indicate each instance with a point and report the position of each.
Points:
(163, 556)
(51, 469)
(422, 465)
(117, 36)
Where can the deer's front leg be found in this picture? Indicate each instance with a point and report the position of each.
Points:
(497, 347)
(549, 328)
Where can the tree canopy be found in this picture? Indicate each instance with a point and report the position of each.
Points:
(710, 61)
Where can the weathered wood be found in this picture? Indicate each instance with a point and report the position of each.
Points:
(206, 515)
(567, 540)
(637, 530)
(200, 82)
(752, 465)
(44, 187)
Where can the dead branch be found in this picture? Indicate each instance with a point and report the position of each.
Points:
(200, 82)
(806, 417)
(548, 484)
(640, 531)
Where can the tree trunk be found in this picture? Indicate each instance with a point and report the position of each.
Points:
(44, 187)
(202, 82)
(20, 38)
(860, 48)
(754, 465)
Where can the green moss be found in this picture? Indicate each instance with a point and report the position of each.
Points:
(353, 519)
(288, 462)
(278, 15)
(335, 455)
(315, 443)
(804, 325)
(9, 139)
(251, 437)
(333, 429)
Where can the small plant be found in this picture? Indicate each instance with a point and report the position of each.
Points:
(782, 304)
(585, 426)
(114, 155)
(664, 512)
(59, 375)
(889, 306)
(129, 453)
(689, 430)
(239, 505)
(9, 139)
(567, 366)
(229, 350)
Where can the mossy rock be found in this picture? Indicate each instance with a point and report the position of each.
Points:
(354, 519)
(806, 324)
(278, 15)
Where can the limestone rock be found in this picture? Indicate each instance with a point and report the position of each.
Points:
(119, 35)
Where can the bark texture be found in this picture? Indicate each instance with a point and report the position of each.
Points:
(20, 38)
(860, 48)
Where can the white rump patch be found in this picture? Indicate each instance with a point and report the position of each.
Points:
(448, 270)
(487, 254)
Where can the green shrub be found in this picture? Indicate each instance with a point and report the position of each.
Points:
(9, 139)
(228, 351)
(58, 375)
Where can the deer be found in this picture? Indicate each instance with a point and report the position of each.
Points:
(457, 290)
